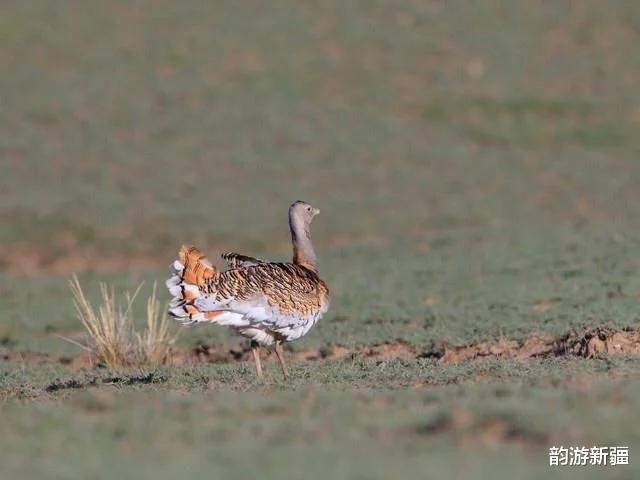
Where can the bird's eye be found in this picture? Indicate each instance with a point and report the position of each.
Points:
(308, 209)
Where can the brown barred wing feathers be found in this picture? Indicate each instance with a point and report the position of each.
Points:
(236, 260)
(281, 300)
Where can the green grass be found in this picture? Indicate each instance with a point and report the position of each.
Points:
(470, 162)
(319, 430)
(462, 289)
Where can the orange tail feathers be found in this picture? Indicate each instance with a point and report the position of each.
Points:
(197, 267)
(189, 274)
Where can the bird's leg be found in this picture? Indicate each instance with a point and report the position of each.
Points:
(280, 355)
(255, 350)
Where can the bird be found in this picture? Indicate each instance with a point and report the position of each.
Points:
(268, 302)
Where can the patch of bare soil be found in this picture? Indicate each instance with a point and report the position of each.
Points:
(32, 260)
(584, 343)
(535, 345)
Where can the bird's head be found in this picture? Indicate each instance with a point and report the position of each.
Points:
(302, 213)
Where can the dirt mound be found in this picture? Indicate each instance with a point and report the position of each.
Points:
(584, 343)
(536, 345)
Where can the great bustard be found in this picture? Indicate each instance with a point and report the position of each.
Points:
(270, 303)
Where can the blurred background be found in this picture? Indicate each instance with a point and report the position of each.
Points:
(477, 168)
(446, 143)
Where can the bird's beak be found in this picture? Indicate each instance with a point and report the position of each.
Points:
(316, 211)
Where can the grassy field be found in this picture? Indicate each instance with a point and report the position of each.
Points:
(477, 170)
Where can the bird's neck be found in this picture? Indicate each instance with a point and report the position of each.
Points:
(303, 253)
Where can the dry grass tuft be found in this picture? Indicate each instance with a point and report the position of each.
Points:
(112, 336)
(155, 342)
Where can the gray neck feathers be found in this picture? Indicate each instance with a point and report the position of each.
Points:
(303, 253)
